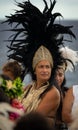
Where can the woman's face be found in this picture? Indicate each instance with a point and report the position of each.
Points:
(43, 71)
(59, 76)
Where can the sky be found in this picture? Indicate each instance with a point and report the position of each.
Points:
(68, 8)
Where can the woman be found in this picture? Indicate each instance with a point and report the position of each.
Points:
(42, 96)
(60, 81)
(38, 50)
(70, 100)
(72, 60)
(70, 104)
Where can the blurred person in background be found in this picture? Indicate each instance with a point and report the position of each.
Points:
(12, 69)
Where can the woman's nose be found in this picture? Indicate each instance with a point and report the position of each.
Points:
(44, 69)
(57, 78)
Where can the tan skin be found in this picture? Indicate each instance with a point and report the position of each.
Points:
(43, 72)
(51, 100)
(49, 105)
(59, 76)
(67, 106)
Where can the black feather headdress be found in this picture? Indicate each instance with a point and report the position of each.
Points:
(34, 28)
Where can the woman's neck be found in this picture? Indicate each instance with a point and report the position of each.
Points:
(39, 84)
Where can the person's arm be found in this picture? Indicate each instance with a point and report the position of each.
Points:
(50, 104)
(67, 106)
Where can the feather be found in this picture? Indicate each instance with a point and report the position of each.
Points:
(34, 28)
(71, 55)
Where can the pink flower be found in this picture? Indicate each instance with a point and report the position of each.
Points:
(16, 104)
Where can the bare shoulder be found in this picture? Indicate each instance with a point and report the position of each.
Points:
(50, 101)
(68, 97)
(69, 91)
(53, 93)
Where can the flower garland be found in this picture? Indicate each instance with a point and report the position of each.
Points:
(13, 89)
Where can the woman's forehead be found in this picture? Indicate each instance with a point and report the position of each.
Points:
(59, 70)
(44, 62)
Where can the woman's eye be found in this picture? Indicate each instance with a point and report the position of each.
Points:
(48, 66)
(40, 66)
